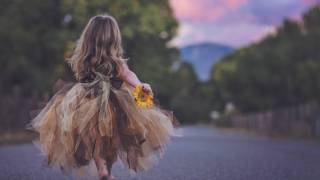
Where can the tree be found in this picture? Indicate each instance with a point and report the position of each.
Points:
(279, 71)
(41, 32)
(35, 36)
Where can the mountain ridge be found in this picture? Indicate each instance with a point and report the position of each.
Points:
(204, 55)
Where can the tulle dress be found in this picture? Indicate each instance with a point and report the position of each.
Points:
(101, 106)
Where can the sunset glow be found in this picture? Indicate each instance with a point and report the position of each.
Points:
(232, 22)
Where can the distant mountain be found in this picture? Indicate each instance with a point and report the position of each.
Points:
(203, 56)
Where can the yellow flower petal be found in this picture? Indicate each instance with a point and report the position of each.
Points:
(143, 99)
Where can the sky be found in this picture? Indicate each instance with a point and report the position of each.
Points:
(235, 23)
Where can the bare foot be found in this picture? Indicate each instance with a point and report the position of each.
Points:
(106, 177)
(111, 177)
(103, 175)
(103, 172)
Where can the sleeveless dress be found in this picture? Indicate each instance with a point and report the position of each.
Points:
(101, 106)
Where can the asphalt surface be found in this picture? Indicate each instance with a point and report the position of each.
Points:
(202, 154)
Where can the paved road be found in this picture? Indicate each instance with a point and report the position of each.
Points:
(202, 154)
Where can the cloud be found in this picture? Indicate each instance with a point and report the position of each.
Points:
(235, 34)
(273, 11)
(235, 4)
(233, 22)
(204, 10)
(310, 2)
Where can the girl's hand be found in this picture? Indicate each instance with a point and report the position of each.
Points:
(146, 87)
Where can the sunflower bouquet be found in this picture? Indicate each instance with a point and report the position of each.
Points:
(143, 98)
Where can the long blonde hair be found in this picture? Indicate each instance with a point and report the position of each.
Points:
(100, 42)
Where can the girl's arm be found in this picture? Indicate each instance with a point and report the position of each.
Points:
(131, 78)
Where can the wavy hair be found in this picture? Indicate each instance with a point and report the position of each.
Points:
(100, 42)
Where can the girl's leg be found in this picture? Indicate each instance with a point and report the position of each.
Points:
(109, 164)
(103, 166)
(100, 162)
(104, 170)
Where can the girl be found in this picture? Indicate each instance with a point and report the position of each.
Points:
(100, 118)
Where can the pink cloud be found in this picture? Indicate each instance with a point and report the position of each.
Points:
(310, 2)
(232, 22)
(235, 4)
(206, 10)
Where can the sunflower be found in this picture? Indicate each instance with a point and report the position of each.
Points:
(143, 99)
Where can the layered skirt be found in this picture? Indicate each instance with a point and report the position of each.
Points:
(81, 114)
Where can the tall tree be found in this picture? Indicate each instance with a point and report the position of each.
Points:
(282, 70)
(36, 34)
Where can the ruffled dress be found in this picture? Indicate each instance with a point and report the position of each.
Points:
(101, 107)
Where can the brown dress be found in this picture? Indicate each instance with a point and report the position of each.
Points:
(100, 106)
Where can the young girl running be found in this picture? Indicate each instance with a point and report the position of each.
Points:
(108, 114)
